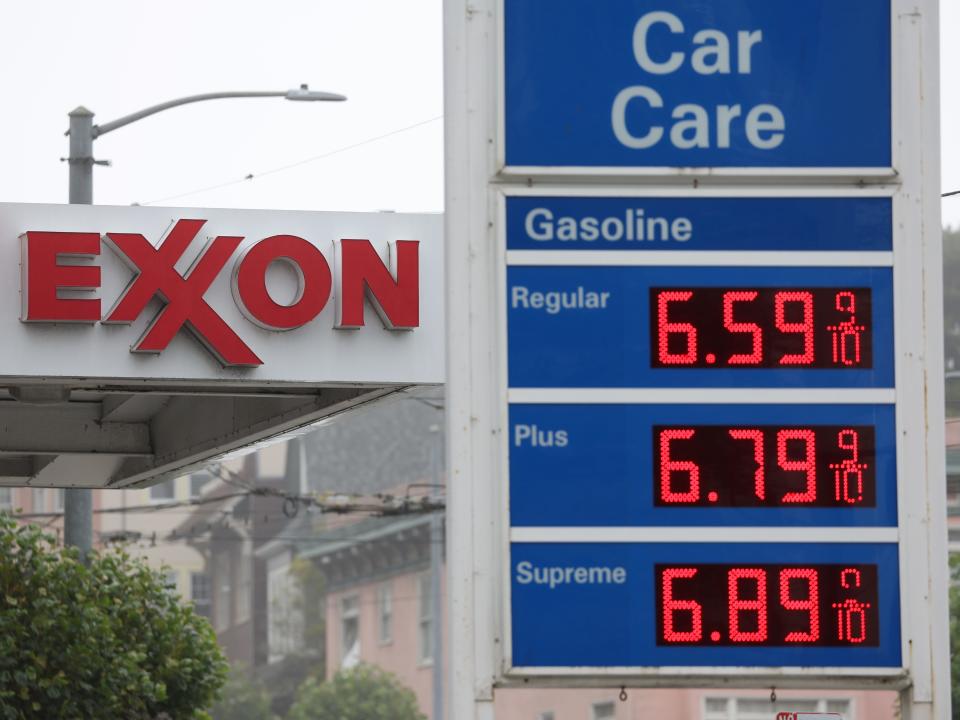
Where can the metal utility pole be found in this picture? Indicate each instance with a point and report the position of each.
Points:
(436, 575)
(78, 502)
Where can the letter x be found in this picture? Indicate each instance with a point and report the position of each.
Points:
(183, 295)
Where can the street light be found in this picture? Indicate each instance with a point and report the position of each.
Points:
(83, 132)
(78, 502)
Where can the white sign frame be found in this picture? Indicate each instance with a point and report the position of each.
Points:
(477, 181)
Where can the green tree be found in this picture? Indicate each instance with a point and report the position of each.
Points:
(361, 693)
(242, 698)
(107, 640)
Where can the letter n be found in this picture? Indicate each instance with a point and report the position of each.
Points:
(393, 292)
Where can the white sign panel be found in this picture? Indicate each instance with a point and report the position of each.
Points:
(238, 296)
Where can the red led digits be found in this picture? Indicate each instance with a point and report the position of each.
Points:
(766, 327)
(671, 606)
(846, 334)
(764, 466)
(810, 604)
(756, 437)
(767, 605)
(807, 465)
(669, 466)
(667, 328)
(851, 620)
(804, 327)
(848, 473)
(739, 605)
(851, 612)
(755, 357)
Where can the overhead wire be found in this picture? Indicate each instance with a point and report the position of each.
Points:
(290, 166)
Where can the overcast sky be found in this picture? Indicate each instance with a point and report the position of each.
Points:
(117, 56)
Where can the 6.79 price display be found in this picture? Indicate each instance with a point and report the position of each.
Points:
(767, 605)
(764, 466)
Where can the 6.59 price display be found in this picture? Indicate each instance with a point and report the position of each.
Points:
(717, 327)
(767, 605)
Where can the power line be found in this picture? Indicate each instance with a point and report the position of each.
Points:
(339, 504)
(952, 192)
(298, 163)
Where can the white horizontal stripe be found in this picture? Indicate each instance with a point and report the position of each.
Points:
(694, 258)
(688, 396)
(677, 174)
(742, 190)
(648, 534)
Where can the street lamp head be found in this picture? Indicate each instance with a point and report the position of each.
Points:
(304, 93)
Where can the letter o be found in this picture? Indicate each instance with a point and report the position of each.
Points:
(612, 229)
(250, 282)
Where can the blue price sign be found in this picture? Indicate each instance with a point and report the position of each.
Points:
(677, 497)
(699, 327)
(711, 604)
(702, 465)
(687, 83)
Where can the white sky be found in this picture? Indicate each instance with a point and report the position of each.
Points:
(117, 56)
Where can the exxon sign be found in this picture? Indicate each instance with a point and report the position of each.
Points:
(300, 297)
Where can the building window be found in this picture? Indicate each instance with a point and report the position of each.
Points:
(385, 611)
(198, 481)
(349, 631)
(841, 707)
(760, 708)
(546, 715)
(58, 499)
(162, 492)
(603, 711)
(200, 593)
(171, 580)
(284, 610)
(6, 498)
(425, 620)
(39, 499)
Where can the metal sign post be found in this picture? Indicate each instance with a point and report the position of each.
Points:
(695, 387)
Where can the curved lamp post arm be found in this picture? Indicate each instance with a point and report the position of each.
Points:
(303, 94)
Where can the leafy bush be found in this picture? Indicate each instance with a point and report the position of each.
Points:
(242, 698)
(105, 640)
(361, 693)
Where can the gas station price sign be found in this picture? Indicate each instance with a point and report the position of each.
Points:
(764, 465)
(767, 605)
(761, 327)
(701, 432)
(699, 326)
(702, 465)
(719, 604)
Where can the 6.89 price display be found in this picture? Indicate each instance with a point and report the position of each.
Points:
(781, 605)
